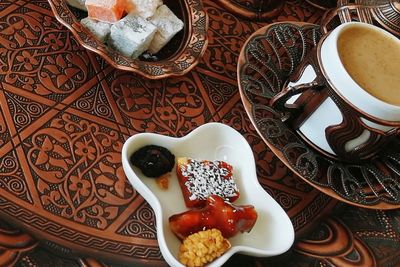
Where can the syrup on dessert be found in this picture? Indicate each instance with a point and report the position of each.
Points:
(230, 219)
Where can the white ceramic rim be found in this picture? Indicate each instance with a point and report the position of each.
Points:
(252, 181)
(340, 80)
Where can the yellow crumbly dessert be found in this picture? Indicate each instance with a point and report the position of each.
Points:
(202, 247)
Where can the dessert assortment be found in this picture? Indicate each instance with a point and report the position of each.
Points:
(131, 27)
(267, 229)
(208, 189)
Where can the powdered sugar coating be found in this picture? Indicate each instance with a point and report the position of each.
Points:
(205, 178)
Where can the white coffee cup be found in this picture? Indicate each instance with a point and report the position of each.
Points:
(337, 116)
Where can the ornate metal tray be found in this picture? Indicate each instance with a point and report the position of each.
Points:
(178, 57)
(267, 59)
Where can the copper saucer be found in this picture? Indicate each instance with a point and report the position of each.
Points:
(267, 59)
(385, 13)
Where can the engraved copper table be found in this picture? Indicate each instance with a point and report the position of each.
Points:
(65, 113)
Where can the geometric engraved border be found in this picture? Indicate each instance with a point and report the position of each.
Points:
(87, 241)
(315, 207)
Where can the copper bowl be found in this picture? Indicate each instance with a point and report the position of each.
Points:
(178, 57)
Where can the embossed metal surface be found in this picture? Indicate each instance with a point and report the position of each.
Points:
(42, 66)
(179, 56)
(65, 113)
(349, 237)
(267, 59)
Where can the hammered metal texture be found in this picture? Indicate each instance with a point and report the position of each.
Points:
(267, 59)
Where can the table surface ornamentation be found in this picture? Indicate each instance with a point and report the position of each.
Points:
(179, 56)
(65, 114)
(267, 59)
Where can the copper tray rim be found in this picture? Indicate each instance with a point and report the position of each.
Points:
(315, 4)
(247, 106)
(136, 66)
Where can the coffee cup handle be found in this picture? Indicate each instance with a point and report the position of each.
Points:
(279, 101)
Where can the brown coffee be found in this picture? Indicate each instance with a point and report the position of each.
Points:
(373, 61)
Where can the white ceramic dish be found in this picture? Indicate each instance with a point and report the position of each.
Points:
(273, 232)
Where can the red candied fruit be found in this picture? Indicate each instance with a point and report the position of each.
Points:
(222, 215)
(199, 179)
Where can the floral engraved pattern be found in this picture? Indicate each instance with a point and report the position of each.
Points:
(51, 69)
(223, 56)
(65, 113)
(23, 110)
(141, 224)
(4, 133)
(95, 102)
(166, 106)
(10, 177)
(79, 171)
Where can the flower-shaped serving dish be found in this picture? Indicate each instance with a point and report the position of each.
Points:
(273, 232)
(178, 57)
(267, 59)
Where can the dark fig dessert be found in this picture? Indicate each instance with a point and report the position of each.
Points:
(153, 160)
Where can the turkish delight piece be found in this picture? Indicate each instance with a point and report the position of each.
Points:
(143, 8)
(199, 179)
(78, 4)
(168, 25)
(105, 10)
(132, 35)
(99, 29)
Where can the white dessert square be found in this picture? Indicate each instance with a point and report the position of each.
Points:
(143, 8)
(99, 29)
(168, 25)
(132, 35)
(78, 4)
